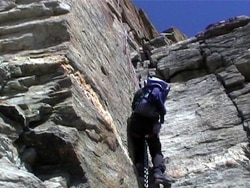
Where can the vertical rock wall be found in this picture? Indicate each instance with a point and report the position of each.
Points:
(67, 84)
(205, 138)
(66, 88)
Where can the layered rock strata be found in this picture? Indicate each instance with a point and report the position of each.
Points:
(68, 71)
(208, 107)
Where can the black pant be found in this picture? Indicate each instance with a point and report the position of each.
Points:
(139, 127)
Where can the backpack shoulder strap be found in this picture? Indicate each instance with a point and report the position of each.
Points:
(156, 85)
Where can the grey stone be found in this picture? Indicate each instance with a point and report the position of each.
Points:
(243, 103)
(177, 61)
(214, 62)
(231, 77)
(243, 65)
(17, 177)
(69, 83)
(159, 41)
(6, 5)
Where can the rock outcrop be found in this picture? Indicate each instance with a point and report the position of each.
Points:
(68, 71)
(208, 107)
(174, 35)
(66, 88)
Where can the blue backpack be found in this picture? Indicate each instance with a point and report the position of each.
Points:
(146, 103)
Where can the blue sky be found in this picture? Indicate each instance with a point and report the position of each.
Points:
(191, 16)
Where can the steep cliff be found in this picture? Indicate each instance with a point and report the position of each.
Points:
(208, 107)
(68, 71)
(66, 88)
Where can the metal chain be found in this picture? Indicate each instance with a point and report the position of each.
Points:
(146, 170)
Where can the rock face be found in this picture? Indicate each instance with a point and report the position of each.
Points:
(208, 107)
(66, 88)
(68, 71)
(174, 35)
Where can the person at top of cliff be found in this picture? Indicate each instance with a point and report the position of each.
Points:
(148, 111)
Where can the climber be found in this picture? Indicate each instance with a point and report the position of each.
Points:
(145, 123)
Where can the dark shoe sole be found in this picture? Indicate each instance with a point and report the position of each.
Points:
(164, 183)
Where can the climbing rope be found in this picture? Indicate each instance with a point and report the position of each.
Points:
(126, 52)
(145, 166)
